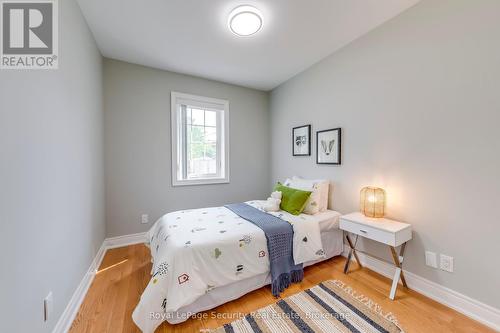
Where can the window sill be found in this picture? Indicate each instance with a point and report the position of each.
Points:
(206, 181)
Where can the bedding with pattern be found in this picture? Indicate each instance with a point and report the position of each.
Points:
(194, 251)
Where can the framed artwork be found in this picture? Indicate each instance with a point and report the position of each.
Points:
(328, 146)
(301, 140)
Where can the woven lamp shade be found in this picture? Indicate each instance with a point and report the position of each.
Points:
(372, 202)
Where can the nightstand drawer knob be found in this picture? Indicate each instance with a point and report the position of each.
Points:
(363, 231)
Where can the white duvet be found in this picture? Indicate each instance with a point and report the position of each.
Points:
(195, 251)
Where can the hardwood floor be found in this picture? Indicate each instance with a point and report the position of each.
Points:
(124, 273)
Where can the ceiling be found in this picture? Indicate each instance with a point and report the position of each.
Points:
(191, 36)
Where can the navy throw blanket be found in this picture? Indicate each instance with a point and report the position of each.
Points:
(279, 236)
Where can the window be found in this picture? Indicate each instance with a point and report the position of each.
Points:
(199, 140)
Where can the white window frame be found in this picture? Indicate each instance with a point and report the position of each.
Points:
(208, 103)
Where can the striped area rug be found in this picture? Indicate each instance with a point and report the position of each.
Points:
(330, 306)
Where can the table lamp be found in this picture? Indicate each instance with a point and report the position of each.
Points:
(372, 201)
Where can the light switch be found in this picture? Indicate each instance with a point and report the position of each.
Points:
(431, 259)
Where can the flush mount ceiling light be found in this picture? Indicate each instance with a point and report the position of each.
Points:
(245, 20)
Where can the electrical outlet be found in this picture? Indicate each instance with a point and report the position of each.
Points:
(446, 263)
(48, 306)
(431, 259)
(144, 218)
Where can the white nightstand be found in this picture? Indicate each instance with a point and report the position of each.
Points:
(391, 233)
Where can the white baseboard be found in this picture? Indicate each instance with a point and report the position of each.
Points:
(69, 314)
(472, 308)
(67, 317)
(125, 240)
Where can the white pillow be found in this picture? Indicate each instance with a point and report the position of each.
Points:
(323, 185)
(313, 203)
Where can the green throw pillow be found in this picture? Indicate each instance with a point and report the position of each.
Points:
(292, 200)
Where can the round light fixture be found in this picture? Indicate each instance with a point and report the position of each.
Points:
(245, 20)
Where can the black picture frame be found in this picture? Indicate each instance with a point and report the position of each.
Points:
(327, 149)
(308, 139)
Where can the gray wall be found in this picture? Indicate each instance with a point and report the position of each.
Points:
(51, 177)
(138, 145)
(418, 100)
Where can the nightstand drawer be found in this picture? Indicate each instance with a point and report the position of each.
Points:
(382, 230)
(368, 232)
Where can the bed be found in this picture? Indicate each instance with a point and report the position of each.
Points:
(203, 258)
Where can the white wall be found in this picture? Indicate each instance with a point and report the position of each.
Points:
(51, 178)
(138, 145)
(418, 100)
